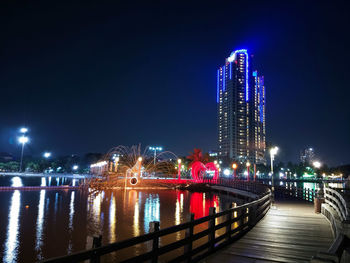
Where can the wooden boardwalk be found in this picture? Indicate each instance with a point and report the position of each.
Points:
(290, 232)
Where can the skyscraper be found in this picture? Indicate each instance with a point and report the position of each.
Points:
(307, 155)
(241, 110)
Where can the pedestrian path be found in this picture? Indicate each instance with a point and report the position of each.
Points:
(290, 232)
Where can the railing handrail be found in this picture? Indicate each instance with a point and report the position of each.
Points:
(336, 200)
(241, 210)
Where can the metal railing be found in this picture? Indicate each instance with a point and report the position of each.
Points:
(233, 223)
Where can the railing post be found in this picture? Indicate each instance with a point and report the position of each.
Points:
(154, 227)
(211, 236)
(228, 219)
(189, 234)
(252, 215)
(96, 242)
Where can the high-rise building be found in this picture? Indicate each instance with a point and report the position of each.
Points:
(307, 155)
(241, 110)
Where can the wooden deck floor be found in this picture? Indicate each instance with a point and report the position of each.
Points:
(290, 232)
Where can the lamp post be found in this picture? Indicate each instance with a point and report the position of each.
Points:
(140, 164)
(116, 161)
(179, 169)
(22, 140)
(234, 167)
(254, 172)
(273, 152)
(155, 149)
(248, 166)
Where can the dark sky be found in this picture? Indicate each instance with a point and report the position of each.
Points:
(86, 77)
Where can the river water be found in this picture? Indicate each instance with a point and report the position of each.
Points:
(36, 225)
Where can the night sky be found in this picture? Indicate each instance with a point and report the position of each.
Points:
(87, 77)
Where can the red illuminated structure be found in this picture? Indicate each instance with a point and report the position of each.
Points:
(199, 169)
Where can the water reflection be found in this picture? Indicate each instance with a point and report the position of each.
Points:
(200, 204)
(39, 225)
(64, 219)
(70, 226)
(71, 210)
(11, 243)
(112, 221)
(16, 181)
(136, 226)
(151, 210)
(94, 208)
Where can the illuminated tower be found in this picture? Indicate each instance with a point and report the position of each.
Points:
(241, 110)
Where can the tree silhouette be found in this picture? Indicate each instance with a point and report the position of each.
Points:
(197, 156)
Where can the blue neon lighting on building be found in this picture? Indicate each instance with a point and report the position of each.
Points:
(230, 70)
(231, 58)
(224, 79)
(255, 73)
(218, 88)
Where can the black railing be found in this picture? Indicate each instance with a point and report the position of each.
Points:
(221, 228)
(296, 192)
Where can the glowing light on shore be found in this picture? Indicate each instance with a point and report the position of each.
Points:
(99, 164)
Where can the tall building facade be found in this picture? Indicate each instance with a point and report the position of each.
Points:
(307, 155)
(241, 110)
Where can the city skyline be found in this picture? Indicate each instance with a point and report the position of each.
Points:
(100, 78)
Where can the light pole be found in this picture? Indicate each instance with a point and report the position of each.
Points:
(234, 167)
(179, 169)
(254, 172)
(273, 152)
(248, 166)
(155, 149)
(140, 164)
(22, 140)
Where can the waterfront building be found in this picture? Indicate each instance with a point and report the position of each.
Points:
(241, 110)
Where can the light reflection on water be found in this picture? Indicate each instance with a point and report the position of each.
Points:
(16, 181)
(39, 225)
(58, 222)
(11, 243)
(152, 206)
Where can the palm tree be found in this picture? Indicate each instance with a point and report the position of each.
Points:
(197, 156)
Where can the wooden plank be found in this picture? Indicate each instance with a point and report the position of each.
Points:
(289, 233)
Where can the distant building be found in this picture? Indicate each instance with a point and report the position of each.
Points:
(307, 155)
(241, 110)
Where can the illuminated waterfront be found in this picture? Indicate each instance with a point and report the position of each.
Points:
(59, 222)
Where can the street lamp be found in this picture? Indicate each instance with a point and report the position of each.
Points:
(179, 169)
(23, 130)
(75, 167)
(234, 167)
(155, 149)
(317, 164)
(47, 155)
(248, 166)
(273, 152)
(22, 140)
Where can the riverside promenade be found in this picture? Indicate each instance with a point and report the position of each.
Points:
(290, 232)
